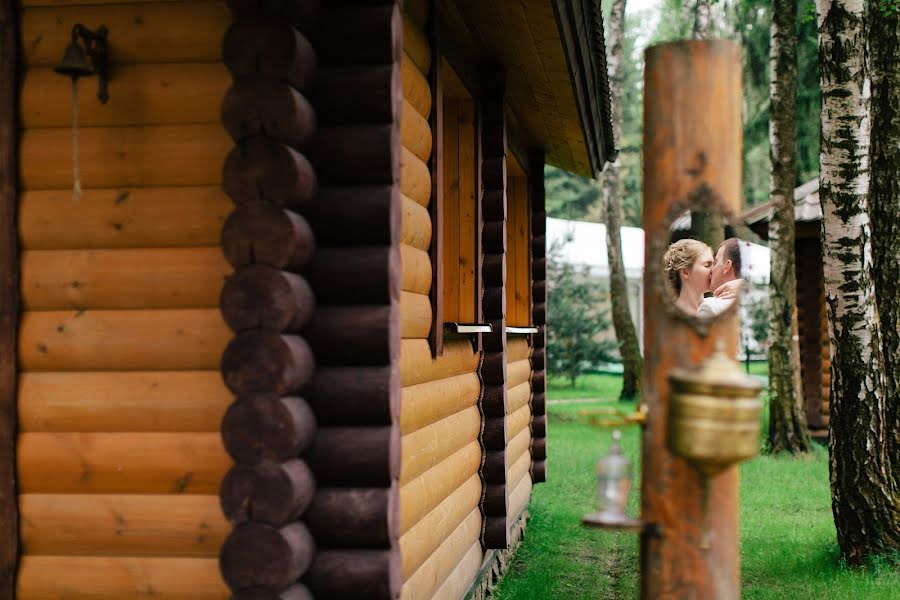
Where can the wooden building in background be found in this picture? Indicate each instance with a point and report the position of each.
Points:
(289, 341)
(812, 321)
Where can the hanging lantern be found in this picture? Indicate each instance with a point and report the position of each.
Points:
(614, 479)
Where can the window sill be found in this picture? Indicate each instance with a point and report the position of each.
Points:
(468, 328)
(521, 330)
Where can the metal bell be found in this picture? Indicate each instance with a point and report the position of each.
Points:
(74, 63)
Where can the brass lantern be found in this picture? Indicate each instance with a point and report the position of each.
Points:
(714, 414)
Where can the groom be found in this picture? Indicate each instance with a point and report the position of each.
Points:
(727, 268)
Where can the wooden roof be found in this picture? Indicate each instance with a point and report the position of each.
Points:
(554, 57)
(807, 210)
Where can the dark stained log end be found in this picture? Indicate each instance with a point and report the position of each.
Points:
(357, 94)
(356, 456)
(266, 362)
(355, 335)
(539, 471)
(493, 401)
(496, 533)
(493, 368)
(539, 449)
(344, 573)
(355, 395)
(261, 44)
(270, 492)
(357, 275)
(539, 426)
(493, 301)
(495, 501)
(301, 14)
(295, 592)
(258, 555)
(355, 517)
(494, 467)
(359, 35)
(493, 238)
(494, 205)
(493, 270)
(538, 359)
(265, 426)
(493, 436)
(539, 314)
(268, 107)
(357, 154)
(357, 215)
(264, 170)
(263, 297)
(538, 404)
(268, 235)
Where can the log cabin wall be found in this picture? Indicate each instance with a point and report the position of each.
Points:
(267, 302)
(810, 316)
(538, 359)
(120, 339)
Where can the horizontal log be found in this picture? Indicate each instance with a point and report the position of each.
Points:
(131, 218)
(415, 179)
(262, 297)
(539, 426)
(121, 340)
(415, 44)
(119, 402)
(517, 348)
(493, 167)
(295, 592)
(355, 335)
(260, 555)
(539, 291)
(539, 313)
(424, 493)
(355, 395)
(356, 95)
(496, 533)
(357, 215)
(494, 502)
(518, 372)
(516, 470)
(260, 44)
(493, 207)
(262, 169)
(268, 107)
(493, 301)
(493, 269)
(494, 401)
(494, 467)
(416, 89)
(270, 492)
(438, 567)
(415, 315)
(154, 94)
(416, 225)
(416, 270)
(355, 517)
(417, 544)
(429, 446)
(343, 573)
(357, 275)
(267, 427)
(518, 421)
(355, 456)
(356, 154)
(143, 32)
(359, 35)
(268, 235)
(539, 269)
(417, 365)
(539, 339)
(266, 362)
(538, 403)
(120, 463)
(518, 396)
(518, 498)
(493, 237)
(539, 448)
(415, 132)
(457, 583)
(122, 279)
(538, 381)
(539, 471)
(429, 402)
(121, 525)
(42, 577)
(124, 156)
(494, 433)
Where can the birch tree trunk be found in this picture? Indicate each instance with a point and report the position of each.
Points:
(864, 495)
(702, 20)
(612, 194)
(787, 419)
(884, 207)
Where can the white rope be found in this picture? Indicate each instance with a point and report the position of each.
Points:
(76, 187)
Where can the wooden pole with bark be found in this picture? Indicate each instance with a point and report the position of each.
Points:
(692, 142)
(884, 207)
(787, 420)
(864, 494)
(612, 194)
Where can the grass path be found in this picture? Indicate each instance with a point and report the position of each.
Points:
(788, 545)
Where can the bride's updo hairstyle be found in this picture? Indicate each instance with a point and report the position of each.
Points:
(681, 255)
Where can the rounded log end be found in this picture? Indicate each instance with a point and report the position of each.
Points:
(265, 427)
(266, 362)
(263, 170)
(257, 555)
(271, 493)
(262, 297)
(268, 235)
(342, 573)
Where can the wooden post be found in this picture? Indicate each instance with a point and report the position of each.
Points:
(9, 296)
(692, 137)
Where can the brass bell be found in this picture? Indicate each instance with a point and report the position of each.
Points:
(74, 63)
(714, 414)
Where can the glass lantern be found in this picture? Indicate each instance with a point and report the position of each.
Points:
(614, 478)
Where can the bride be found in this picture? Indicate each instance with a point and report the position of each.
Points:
(688, 265)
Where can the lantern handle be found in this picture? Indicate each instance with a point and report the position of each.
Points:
(592, 416)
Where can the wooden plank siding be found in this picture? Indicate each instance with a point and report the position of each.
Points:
(440, 523)
(518, 292)
(119, 395)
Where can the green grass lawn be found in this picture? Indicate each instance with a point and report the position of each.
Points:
(788, 545)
